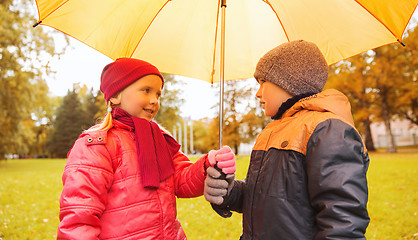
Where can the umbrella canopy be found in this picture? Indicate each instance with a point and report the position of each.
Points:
(197, 39)
(183, 37)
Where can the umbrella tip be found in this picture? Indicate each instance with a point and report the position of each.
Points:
(403, 44)
(36, 24)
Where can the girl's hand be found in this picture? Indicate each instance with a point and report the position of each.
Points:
(224, 158)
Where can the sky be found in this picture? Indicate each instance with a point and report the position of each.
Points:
(82, 64)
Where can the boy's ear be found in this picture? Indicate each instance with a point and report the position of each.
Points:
(115, 100)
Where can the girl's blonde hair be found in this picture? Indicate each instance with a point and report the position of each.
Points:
(107, 122)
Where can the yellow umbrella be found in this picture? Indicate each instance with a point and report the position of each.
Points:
(195, 38)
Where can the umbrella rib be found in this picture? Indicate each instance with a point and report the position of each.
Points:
(215, 43)
(132, 53)
(278, 18)
(40, 20)
(399, 40)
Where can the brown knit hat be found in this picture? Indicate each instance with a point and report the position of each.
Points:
(297, 66)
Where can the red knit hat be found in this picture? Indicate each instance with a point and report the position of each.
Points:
(119, 74)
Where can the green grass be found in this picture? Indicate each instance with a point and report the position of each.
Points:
(393, 197)
(30, 190)
(29, 198)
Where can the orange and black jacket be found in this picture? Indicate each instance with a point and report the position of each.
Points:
(307, 175)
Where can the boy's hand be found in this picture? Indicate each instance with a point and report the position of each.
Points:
(224, 159)
(216, 188)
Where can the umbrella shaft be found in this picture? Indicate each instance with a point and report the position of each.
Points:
(221, 100)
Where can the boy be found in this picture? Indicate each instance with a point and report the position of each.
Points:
(307, 173)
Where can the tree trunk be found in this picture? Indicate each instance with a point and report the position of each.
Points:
(390, 140)
(368, 136)
(35, 149)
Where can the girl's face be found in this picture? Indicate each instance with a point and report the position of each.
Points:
(271, 97)
(141, 98)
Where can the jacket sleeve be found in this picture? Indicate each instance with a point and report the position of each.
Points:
(233, 201)
(189, 177)
(336, 165)
(87, 178)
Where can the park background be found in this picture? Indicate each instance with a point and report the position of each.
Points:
(30, 190)
(38, 125)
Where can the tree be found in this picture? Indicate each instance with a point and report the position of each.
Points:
(395, 72)
(238, 102)
(43, 118)
(408, 108)
(22, 50)
(252, 123)
(201, 136)
(352, 78)
(101, 106)
(388, 78)
(231, 126)
(170, 103)
(68, 125)
(93, 105)
(243, 119)
(368, 83)
(381, 85)
(212, 139)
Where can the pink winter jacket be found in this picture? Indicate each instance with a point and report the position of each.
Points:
(103, 197)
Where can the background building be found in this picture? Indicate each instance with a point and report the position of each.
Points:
(405, 133)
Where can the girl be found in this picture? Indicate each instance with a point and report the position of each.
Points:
(122, 176)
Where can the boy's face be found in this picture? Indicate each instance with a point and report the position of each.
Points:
(141, 98)
(271, 97)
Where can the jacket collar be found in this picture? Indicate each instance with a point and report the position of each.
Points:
(118, 124)
(289, 103)
(330, 100)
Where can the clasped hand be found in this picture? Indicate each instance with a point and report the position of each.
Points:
(218, 185)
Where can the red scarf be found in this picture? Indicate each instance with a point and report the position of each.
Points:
(155, 148)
